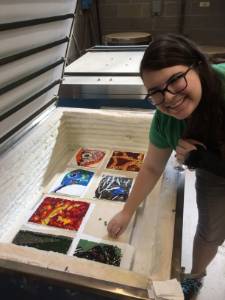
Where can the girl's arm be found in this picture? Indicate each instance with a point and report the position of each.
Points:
(152, 168)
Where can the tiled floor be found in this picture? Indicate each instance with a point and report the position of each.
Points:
(214, 282)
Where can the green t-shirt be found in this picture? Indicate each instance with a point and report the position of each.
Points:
(165, 130)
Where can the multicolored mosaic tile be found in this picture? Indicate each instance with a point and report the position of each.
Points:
(62, 213)
(89, 157)
(72, 183)
(114, 188)
(125, 161)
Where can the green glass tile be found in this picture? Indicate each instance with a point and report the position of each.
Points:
(42, 241)
(104, 253)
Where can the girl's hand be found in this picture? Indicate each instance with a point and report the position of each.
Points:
(118, 224)
(184, 147)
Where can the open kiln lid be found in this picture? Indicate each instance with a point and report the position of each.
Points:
(34, 37)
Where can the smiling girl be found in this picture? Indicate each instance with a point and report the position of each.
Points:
(189, 95)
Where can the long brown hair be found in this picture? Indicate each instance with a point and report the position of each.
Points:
(207, 122)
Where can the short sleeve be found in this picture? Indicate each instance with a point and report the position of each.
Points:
(220, 70)
(156, 135)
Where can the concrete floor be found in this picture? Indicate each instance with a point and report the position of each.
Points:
(214, 283)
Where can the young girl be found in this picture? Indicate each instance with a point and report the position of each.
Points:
(189, 95)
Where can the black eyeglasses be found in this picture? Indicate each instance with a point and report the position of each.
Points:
(174, 85)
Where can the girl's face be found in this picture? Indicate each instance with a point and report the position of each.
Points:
(175, 90)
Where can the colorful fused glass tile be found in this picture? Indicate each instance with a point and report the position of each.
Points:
(62, 213)
(42, 241)
(104, 253)
(126, 161)
(79, 176)
(89, 157)
(113, 188)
